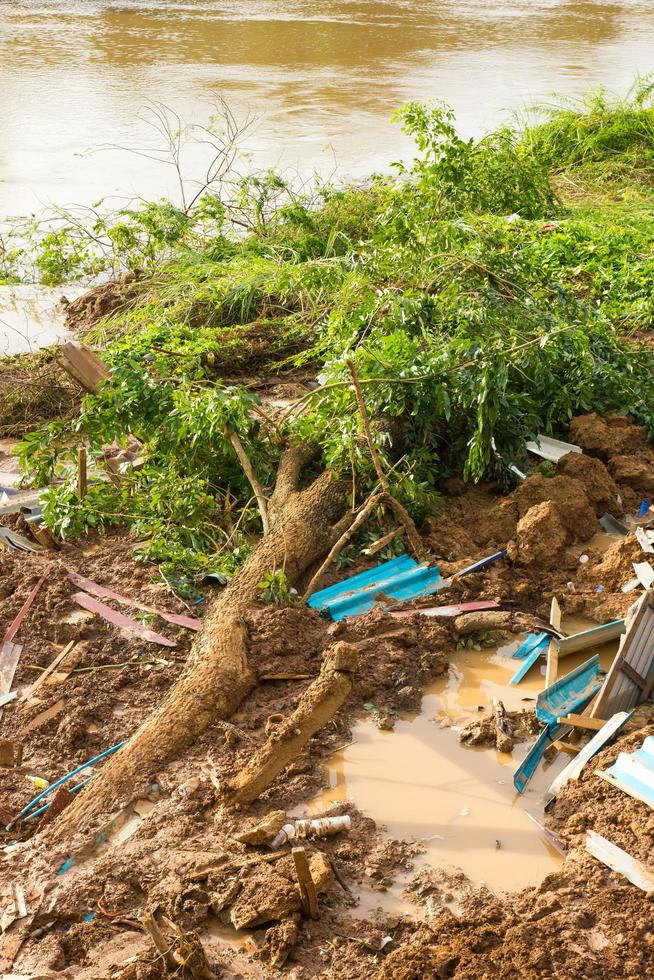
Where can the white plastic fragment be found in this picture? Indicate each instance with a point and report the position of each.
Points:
(320, 827)
(583, 559)
(629, 586)
(618, 860)
(551, 449)
(644, 540)
(644, 574)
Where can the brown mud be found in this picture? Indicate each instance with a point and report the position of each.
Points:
(178, 853)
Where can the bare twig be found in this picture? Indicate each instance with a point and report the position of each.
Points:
(262, 500)
(370, 504)
(387, 497)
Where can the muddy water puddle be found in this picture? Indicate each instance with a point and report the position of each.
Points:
(459, 801)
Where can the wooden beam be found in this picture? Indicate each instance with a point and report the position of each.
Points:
(566, 747)
(308, 894)
(582, 721)
(82, 476)
(82, 364)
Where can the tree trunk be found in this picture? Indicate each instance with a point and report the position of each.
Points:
(304, 525)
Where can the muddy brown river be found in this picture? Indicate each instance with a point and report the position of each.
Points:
(322, 78)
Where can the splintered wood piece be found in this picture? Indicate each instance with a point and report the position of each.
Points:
(45, 716)
(82, 475)
(161, 944)
(582, 721)
(308, 894)
(11, 753)
(29, 691)
(9, 657)
(123, 622)
(566, 747)
(83, 365)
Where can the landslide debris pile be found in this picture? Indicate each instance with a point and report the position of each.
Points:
(383, 352)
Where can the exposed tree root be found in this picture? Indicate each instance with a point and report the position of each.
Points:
(304, 525)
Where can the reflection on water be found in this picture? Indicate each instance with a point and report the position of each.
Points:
(323, 78)
(423, 785)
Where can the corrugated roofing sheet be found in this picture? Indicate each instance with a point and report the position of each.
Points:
(401, 579)
(570, 692)
(633, 772)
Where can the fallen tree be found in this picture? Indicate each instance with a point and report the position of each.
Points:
(305, 523)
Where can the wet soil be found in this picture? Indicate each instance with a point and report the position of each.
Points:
(180, 856)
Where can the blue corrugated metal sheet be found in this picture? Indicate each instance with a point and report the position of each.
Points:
(401, 579)
(633, 772)
(529, 764)
(531, 642)
(570, 692)
(527, 664)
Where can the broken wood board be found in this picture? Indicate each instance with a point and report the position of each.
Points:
(582, 721)
(306, 886)
(11, 753)
(118, 619)
(631, 676)
(82, 364)
(618, 860)
(459, 608)
(9, 657)
(24, 609)
(33, 688)
(45, 716)
(574, 769)
(188, 622)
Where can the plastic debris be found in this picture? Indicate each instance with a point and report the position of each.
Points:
(633, 772)
(591, 637)
(618, 860)
(644, 507)
(574, 768)
(551, 449)
(644, 574)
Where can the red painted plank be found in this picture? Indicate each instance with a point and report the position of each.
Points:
(22, 612)
(94, 606)
(188, 622)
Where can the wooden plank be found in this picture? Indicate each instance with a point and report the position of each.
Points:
(82, 475)
(124, 622)
(633, 675)
(83, 365)
(45, 716)
(30, 691)
(9, 658)
(581, 721)
(24, 609)
(553, 648)
(308, 894)
(188, 622)
(566, 747)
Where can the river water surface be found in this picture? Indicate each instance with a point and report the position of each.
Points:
(322, 78)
